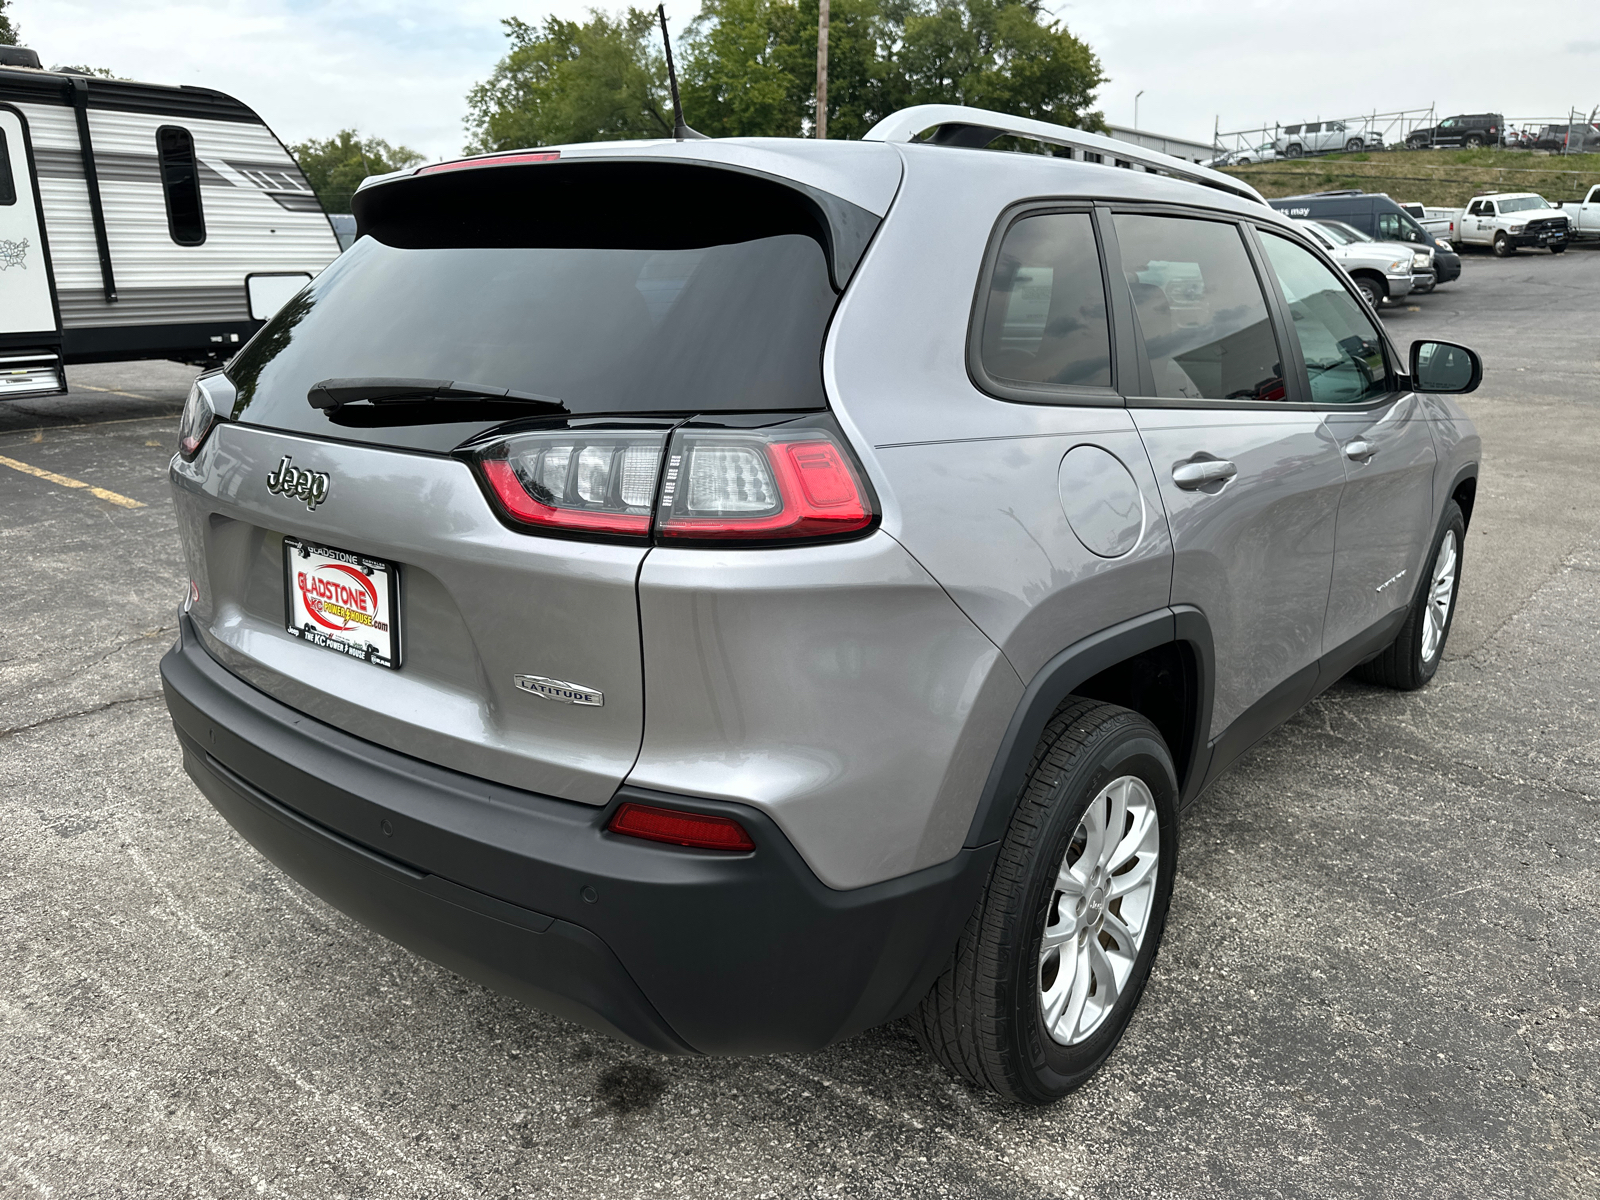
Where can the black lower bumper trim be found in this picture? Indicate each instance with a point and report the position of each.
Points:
(678, 950)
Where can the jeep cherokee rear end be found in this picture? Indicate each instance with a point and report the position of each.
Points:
(569, 409)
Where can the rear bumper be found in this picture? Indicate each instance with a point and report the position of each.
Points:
(678, 950)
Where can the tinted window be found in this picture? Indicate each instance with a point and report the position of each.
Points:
(562, 283)
(180, 180)
(1200, 309)
(1046, 317)
(1389, 227)
(1343, 352)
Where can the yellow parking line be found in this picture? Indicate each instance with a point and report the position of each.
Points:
(66, 481)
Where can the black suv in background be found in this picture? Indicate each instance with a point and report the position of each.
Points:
(1469, 129)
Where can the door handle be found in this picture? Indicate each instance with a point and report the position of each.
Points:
(1192, 475)
(1359, 450)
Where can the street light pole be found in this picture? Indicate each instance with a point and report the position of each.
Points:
(1135, 100)
(822, 70)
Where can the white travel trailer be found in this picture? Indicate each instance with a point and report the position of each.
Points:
(140, 221)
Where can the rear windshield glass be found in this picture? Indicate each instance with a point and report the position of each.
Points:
(610, 301)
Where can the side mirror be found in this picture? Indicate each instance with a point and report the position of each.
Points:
(1445, 367)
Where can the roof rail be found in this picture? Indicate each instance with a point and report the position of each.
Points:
(958, 125)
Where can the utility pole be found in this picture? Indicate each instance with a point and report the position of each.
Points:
(822, 70)
(1135, 105)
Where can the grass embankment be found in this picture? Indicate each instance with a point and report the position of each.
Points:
(1442, 177)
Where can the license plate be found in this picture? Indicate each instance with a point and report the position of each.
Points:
(344, 602)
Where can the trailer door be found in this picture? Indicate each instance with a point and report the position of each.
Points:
(30, 329)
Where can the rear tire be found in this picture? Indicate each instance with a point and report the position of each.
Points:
(1412, 659)
(1472, 142)
(1503, 247)
(1354, 146)
(1074, 909)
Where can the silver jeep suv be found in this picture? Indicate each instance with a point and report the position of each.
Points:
(736, 593)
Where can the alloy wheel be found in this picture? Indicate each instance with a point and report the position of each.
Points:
(1441, 595)
(1101, 909)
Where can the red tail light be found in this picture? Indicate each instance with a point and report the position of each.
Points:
(785, 484)
(779, 486)
(575, 481)
(679, 828)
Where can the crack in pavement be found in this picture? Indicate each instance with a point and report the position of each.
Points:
(84, 712)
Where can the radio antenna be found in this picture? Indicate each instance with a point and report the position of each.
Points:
(680, 129)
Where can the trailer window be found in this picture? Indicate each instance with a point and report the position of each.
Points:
(8, 185)
(180, 180)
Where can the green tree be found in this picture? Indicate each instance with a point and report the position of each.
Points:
(749, 69)
(999, 54)
(564, 81)
(739, 72)
(336, 166)
(9, 34)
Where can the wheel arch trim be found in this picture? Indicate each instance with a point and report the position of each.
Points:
(1083, 660)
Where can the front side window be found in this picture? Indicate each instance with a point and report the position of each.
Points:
(1343, 351)
(1045, 322)
(180, 180)
(1389, 227)
(1200, 309)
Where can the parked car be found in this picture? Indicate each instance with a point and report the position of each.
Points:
(730, 639)
(1381, 270)
(1266, 152)
(1377, 216)
(1468, 129)
(1508, 221)
(1583, 216)
(1296, 141)
(1574, 139)
(1518, 139)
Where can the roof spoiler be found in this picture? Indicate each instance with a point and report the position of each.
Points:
(958, 125)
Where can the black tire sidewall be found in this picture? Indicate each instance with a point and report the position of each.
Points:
(1052, 1070)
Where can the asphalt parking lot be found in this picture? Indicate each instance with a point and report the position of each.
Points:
(1380, 976)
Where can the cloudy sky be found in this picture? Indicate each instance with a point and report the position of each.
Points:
(400, 69)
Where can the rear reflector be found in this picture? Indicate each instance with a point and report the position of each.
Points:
(679, 828)
(495, 160)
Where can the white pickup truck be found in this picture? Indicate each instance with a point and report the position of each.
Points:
(1436, 222)
(1583, 216)
(1507, 221)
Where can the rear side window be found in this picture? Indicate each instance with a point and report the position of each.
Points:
(8, 185)
(180, 180)
(1045, 322)
(1343, 352)
(1200, 309)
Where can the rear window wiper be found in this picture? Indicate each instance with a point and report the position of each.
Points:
(333, 394)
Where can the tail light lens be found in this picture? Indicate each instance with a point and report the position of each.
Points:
(198, 419)
(764, 486)
(679, 828)
(794, 482)
(575, 481)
